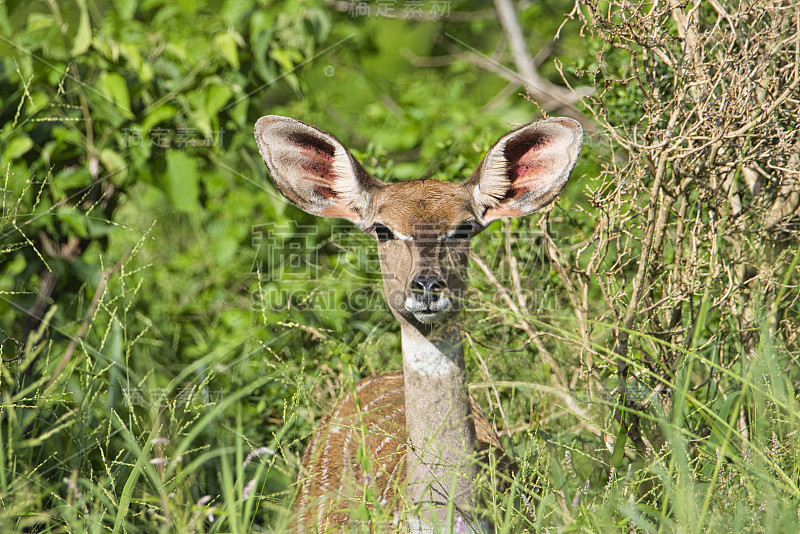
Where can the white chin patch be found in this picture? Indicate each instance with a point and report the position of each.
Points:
(428, 314)
(427, 318)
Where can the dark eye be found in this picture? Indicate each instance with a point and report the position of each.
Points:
(382, 233)
(464, 230)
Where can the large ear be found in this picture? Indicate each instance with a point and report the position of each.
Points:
(526, 169)
(314, 170)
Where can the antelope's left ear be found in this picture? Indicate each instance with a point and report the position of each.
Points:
(526, 169)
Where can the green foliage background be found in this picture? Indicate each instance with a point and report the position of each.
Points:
(165, 358)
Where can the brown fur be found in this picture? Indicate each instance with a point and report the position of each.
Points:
(332, 481)
(419, 207)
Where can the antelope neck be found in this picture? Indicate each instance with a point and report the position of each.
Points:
(434, 353)
(441, 434)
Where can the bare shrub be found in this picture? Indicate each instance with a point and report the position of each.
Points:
(697, 211)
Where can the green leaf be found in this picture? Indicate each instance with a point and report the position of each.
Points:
(84, 36)
(262, 26)
(141, 466)
(5, 27)
(181, 182)
(125, 8)
(225, 43)
(72, 178)
(157, 116)
(282, 58)
(99, 227)
(115, 88)
(16, 147)
(216, 97)
(74, 221)
(112, 160)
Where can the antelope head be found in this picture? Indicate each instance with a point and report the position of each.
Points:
(422, 227)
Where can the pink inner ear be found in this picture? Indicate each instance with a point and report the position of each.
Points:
(525, 152)
(317, 163)
(527, 169)
(317, 166)
(315, 157)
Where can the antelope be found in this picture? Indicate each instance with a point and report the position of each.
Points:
(411, 437)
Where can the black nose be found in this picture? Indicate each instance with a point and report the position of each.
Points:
(428, 288)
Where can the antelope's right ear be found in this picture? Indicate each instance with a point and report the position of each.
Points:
(526, 169)
(314, 170)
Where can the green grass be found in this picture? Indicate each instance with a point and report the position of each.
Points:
(85, 454)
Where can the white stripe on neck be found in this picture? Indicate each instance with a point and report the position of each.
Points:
(427, 358)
